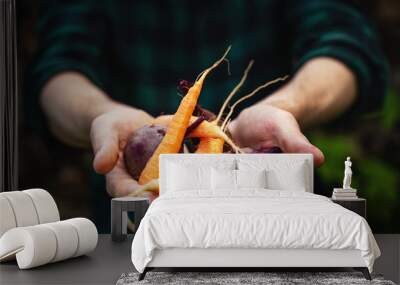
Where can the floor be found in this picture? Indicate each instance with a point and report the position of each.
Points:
(110, 260)
(389, 262)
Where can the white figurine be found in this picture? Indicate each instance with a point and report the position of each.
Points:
(347, 174)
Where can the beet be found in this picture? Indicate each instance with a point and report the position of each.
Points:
(141, 146)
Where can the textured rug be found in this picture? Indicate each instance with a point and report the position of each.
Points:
(232, 278)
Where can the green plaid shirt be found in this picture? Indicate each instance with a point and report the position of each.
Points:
(136, 51)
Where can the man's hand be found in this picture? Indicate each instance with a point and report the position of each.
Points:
(81, 114)
(321, 90)
(109, 134)
(265, 126)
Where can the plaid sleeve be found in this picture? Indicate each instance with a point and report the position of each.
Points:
(71, 37)
(339, 30)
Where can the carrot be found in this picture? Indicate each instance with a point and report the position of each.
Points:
(212, 137)
(151, 186)
(210, 145)
(173, 139)
(165, 120)
(206, 129)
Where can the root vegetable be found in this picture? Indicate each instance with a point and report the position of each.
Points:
(141, 146)
(205, 129)
(173, 139)
(210, 145)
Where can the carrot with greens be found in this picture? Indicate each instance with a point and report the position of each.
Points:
(173, 139)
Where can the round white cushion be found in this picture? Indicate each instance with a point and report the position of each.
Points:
(45, 205)
(23, 208)
(33, 246)
(7, 218)
(87, 235)
(67, 240)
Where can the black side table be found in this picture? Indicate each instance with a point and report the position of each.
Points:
(119, 214)
(357, 205)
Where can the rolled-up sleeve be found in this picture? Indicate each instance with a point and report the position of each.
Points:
(337, 29)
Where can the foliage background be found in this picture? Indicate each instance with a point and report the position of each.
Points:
(373, 141)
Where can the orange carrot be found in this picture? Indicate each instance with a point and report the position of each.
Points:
(210, 145)
(151, 186)
(173, 139)
(204, 130)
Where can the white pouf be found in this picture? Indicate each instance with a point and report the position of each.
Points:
(31, 230)
(45, 205)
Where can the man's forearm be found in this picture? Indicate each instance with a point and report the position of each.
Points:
(71, 102)
(321, 90)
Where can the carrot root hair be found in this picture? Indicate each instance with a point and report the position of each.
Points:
(234, 90)
(251, 94)
(205, 72)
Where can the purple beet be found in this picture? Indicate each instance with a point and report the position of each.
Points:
(141, 146)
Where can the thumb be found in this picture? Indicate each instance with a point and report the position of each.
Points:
(298, 143)
(105, 145)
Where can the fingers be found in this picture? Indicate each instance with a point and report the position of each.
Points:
(119, 184)
(118, 181)
(296, 142)
(272, 127)
(105, 143)
(241, 136)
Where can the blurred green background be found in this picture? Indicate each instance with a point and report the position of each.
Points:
(373, 140)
